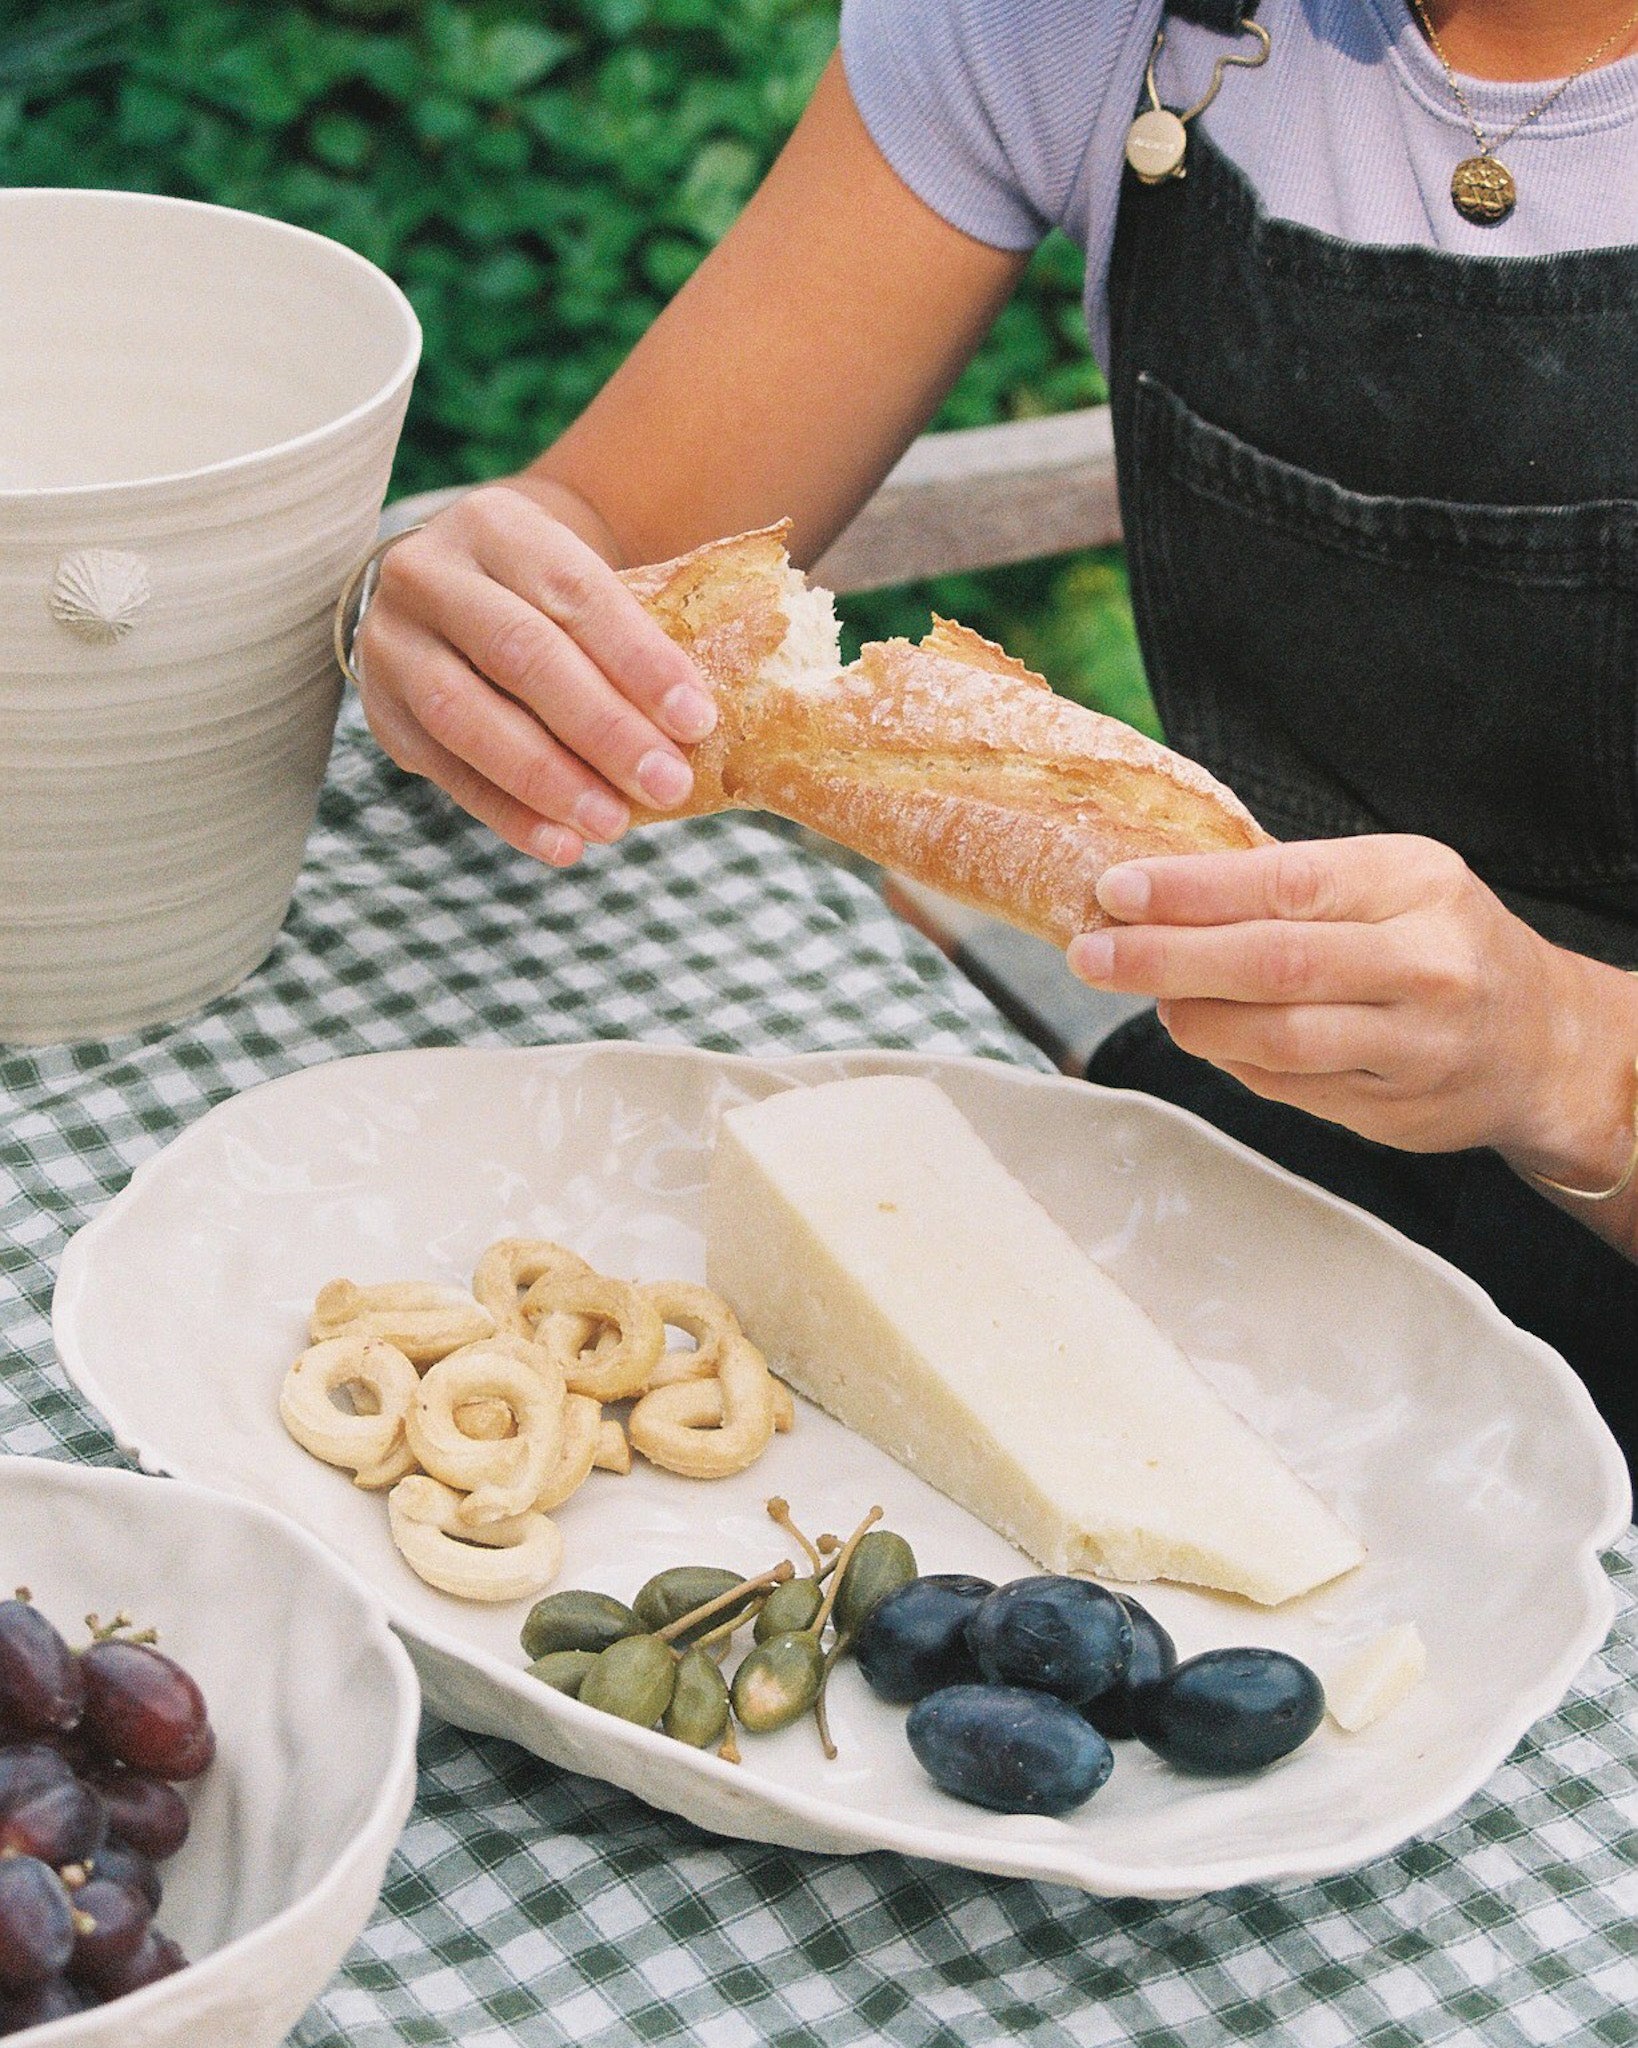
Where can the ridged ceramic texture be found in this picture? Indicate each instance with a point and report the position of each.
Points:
(1465, 1453)
(315, 1709)
(198, 411)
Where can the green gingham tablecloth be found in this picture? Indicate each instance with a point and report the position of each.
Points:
(528, 1906)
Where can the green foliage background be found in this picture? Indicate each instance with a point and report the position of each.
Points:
(540, 176)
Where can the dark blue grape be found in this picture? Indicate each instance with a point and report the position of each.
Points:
(62, 1824)
(914, 1641)
(1227, 1712)
(144, 1812)
(27, 1768)
(1154, 1655)
(1053, 1634)
(154, 1956)
(118, 1919)
(124, 1865)
(1007, 1748)
(42, 1687)
(36, 1923)
(56, 1999)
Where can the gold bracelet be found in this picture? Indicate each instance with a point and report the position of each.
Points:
(1599, 1194)
(349, 611)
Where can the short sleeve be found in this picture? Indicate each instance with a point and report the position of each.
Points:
(986, 108)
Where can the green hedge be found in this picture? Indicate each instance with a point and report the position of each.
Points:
(540, 176)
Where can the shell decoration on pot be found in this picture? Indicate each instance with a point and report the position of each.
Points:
(97, 593)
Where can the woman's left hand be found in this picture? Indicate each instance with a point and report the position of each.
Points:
(1378, 983)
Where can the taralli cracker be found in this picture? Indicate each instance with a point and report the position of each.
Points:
(508, 1270)
(485, 1412)
(425, 1322)
(506, 1560)
(707, 1429)
(611, 1373)
(502, 1476)
(699, 1314)
(372, 1441)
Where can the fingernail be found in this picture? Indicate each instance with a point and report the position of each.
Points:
(601, 816)
(663, 779)
(559, 849)
(1092, 956)
(1124, 892)
(689, 714)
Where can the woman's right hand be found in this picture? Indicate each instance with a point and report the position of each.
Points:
(502, 658)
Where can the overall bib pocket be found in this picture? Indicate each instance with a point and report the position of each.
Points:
(1305, 610)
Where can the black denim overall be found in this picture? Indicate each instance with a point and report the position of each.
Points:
(1381, 507)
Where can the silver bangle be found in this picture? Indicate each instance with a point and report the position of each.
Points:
(354, 600)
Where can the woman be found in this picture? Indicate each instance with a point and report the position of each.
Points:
(1372, 361)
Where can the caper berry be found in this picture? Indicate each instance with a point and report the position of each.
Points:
(576, 1621)
(778, 1681)
(698, 1712)
(633, 1678)
(669, 1595)
(880, 1564)
(794, 1605)
(563, 1670)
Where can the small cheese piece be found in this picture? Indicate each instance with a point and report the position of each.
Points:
(1375, 1679)
(895, 1272)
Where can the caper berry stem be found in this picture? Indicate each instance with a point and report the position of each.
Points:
(821, 1719)
(775, 1575)
(725, 1629)
(728, 1747)
(779, 1510)
(843, 1560)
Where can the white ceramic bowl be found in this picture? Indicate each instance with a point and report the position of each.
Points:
(198, 411)
(315, 1708)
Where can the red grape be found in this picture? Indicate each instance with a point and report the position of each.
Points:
(145, 1710)
(27, 1768)
(119, 1919)
(41, 1684)
(155, 1956)
(129, 1867)
(36, 1923)
(145, 1812)
(63, 1824)
(55, 1999)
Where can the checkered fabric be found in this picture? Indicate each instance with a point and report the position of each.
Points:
(528, 1906)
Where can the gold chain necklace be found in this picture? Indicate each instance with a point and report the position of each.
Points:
(1481, 187)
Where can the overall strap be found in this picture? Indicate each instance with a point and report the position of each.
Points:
(1227, 17)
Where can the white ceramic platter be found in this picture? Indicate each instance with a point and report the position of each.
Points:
(1465, 1453)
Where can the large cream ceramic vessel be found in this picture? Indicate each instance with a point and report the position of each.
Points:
(198, 412)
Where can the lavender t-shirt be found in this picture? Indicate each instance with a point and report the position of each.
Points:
(1009, 117)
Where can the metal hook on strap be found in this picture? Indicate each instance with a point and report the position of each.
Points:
(1157, 141)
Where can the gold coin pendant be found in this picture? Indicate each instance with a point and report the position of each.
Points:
(1483, 190)
(1156, 144)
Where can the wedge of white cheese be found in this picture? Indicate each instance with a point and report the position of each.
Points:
(1377, 1677)
(896, 1273)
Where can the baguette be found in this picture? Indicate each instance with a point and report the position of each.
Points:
(948, 761)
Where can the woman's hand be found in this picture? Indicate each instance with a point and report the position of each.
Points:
(503, 658)
(1378, 983)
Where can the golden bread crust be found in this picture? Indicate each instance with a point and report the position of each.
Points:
(950, 762)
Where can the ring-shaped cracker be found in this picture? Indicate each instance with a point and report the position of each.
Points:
(372, 1445)
(501, 1476)
(510, 1267)
(707, 1429)
(699, 1314)
(613, 1452)
(507, 1560)
(582, 1440)
(604, 1372)
(424, 1321)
